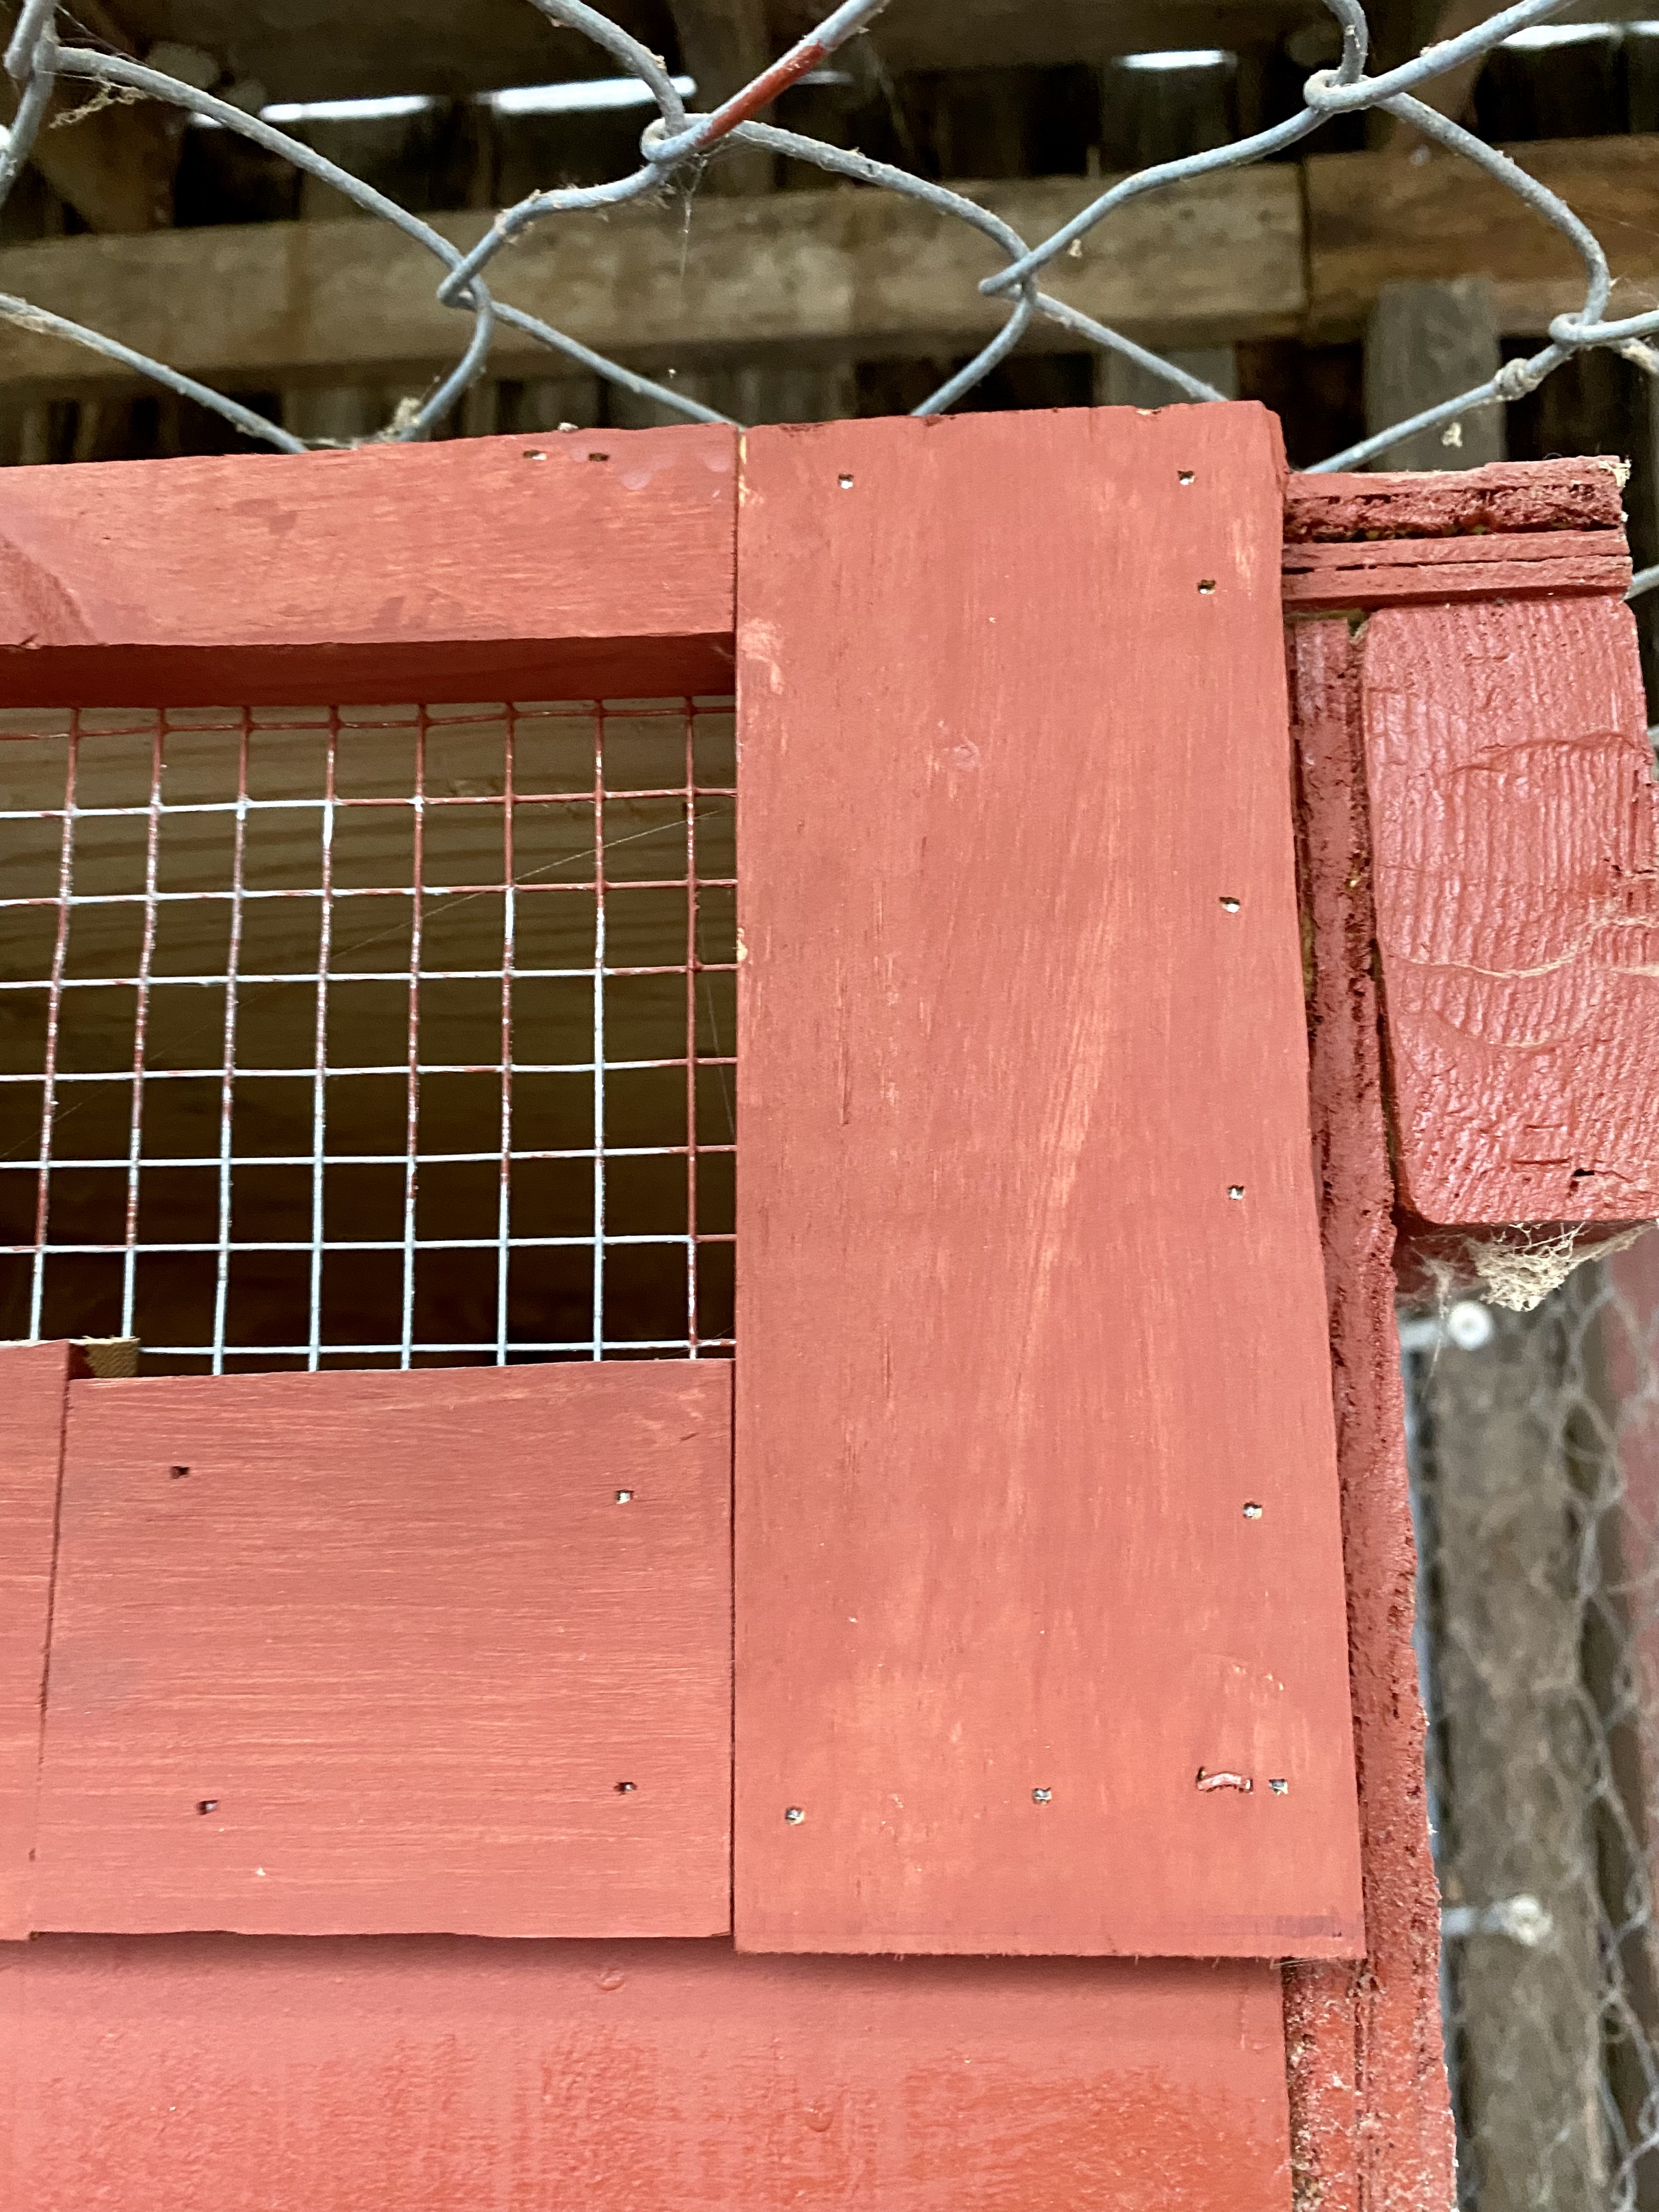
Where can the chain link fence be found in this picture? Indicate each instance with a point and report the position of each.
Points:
(677, 145)
(1534, 1442)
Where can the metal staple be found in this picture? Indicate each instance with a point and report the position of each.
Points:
(676, 145)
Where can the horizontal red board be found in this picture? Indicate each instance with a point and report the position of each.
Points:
(568, 565)
(217, 2074)
(370, 1652)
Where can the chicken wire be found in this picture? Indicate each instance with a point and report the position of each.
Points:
(368, 1036)
(676, 146)
(1534, 1446)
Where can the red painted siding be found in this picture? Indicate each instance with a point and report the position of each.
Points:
(358, 1652)
(220, 2075)
(1030, 1304)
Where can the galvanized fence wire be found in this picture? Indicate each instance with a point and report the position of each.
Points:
(1535, 1443)
(676, 146)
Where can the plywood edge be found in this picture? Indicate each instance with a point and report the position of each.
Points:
(1503, 498)
(33, 1380)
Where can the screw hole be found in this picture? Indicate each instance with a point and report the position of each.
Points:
(626, 1788)
(1235, 1190)
(177, 1472)
(1184, 476)
(845, 483)
(1252, 1511)
(625, 1497)
(1041, 1796)
(598, 456)
(1279, 1785)
(1207, 585)
(1230, 905)
(794, 1815)
(534, 454)
(207, 1804)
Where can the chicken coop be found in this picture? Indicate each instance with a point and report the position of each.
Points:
(826, 1109)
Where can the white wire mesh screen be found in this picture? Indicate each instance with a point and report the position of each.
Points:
(390, 1035)
(1536, 1479)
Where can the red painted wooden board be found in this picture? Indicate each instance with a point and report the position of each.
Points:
(213, 2074)
(384, 1655)
(1037, 1524)
(1517, 882)
(576, 564)
(1402, 571)
(33, 1380)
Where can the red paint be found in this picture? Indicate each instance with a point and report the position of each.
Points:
(1513, 822)
(32, 1382)
(568, 565)
(1013, 1361)
(217, 2075)
(1505, 496)
(1370, 2126)
(396, 1635)
(1416, 571)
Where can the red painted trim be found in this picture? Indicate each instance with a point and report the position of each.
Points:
(224, 2074)
(1504, 497)
(1004, 1078)
(1515, 835)
(575, 565)
(1370, 2126)
(1416, 571)
(34, 1379)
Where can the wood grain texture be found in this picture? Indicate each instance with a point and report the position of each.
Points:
(1370, 2121)
(1514, 827)
(1504, 497)
(1014, 1360)
(849, 274)
(568, 565)
(398, 1637)
(1375, 219)
(33, 1379)
(1430, 571)
(214, 2075)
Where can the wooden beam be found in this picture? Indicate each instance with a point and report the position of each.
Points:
(1425, 343)
(837, 276)
(113, 163)
(821, 275)
(1376, 219)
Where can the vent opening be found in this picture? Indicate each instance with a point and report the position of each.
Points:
(369, 1036)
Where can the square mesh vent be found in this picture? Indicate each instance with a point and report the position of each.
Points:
(368, 1036)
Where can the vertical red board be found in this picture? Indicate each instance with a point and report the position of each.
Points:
(359, 1653)
(1515, 830)
(1041, 1643)
(217, 2074)
(32, 1381)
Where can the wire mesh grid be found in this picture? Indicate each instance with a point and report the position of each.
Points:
(677, 146)
(369, 1035)
(1535, 1463)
